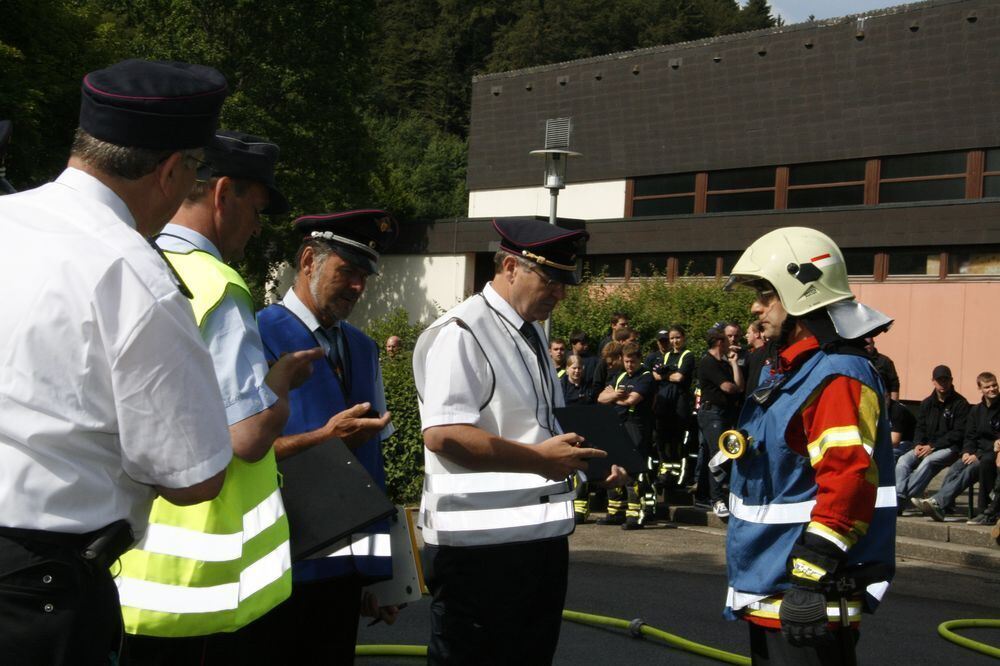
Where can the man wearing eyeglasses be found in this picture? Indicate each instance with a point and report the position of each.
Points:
(184, 549)
(810, 543)
(107, 395)
(497, 504)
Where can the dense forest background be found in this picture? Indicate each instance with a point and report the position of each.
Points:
(369, 100)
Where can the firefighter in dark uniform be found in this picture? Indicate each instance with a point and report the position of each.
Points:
(631, 391)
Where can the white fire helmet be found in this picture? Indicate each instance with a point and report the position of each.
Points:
(807, 271)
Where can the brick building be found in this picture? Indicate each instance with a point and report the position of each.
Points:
(882, 130)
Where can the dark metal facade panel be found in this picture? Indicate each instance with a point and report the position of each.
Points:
(896, 91)
(962, 223)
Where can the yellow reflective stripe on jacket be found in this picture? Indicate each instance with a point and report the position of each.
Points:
(214, 566)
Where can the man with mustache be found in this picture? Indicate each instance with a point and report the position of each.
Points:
(339, 251)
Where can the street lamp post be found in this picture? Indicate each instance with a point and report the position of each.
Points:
(555, 180)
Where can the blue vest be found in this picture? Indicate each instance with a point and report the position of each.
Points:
(311, 406)
(773, 487)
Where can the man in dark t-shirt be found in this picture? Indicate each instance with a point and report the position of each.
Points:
(721, 380)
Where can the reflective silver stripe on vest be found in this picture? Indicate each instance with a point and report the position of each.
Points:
(558, 521)
(362, 545)
(796, 512)
(195, 545)
(496, 499)
(148, 595)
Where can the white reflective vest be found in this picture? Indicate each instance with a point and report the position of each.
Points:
(462, 507)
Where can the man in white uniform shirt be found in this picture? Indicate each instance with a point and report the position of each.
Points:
(107, 393)
(497, 504)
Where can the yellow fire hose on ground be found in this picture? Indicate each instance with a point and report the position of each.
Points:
(638, 629)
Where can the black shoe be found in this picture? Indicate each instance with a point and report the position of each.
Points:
(579, 519)
(632, 524)
(984, 518)
(611, 519)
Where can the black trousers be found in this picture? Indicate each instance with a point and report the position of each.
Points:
(318, 624)
(55, 607)
(496, 604)
(768, 647)
(253, 645)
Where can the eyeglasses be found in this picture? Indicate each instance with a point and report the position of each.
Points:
(547, 282)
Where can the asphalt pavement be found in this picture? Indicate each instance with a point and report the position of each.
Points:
(673, 578)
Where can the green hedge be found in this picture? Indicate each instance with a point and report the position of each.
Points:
(404, 451)
(651, 304)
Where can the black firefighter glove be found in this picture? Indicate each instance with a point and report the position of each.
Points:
(803, 607)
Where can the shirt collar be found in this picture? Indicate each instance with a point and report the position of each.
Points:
(501, 305)
(796, 353)
(299, 309)
(91, 187)
(194, 238)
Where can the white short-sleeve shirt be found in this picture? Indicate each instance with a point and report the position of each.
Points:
(106, 387)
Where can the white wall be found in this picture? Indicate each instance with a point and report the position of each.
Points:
(425, 286)
(582, 201)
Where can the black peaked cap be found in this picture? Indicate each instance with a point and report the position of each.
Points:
(554, 249)
(357, 236)
(153, 104)
(248, 157)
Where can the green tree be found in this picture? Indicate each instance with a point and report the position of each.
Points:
(296, 77)
(46, 47)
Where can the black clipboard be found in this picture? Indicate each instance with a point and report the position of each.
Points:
(602, 428)
(328, 494)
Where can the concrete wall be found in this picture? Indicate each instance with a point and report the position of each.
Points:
(583, 201)
(950, 323)
(423, 285)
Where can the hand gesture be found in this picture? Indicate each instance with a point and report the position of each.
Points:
(562, 456)
(292, 370)
(354, 427)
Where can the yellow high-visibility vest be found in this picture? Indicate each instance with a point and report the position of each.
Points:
(218, 565)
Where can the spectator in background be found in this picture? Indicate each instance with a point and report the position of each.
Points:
(721, 380)
(393, 345)
(938, 438)
(631, 392)
(581, 347)
(885, 368)
(618, 320)
(902, 425)
(982, 431)
(576, 390)
(760, 355)
(989, 490)
(557, 352)
(755, 336)
(734, 334)
(672, 367)
(622, 335)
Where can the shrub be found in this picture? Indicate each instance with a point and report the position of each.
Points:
(652, 304)
(404, 451)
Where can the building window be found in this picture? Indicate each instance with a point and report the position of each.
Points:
(694, 264)
(860, 262)
(608, 265)
(826, 184)
(664, 195)
(953, 175)
(974, 261)
(911, 263)
(740, 189)
(930, 177)
(991, 173)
